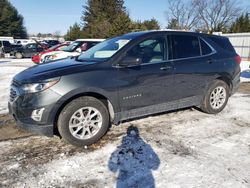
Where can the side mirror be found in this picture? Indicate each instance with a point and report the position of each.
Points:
(130, 61)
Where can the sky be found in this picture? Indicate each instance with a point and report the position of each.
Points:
(49, 16)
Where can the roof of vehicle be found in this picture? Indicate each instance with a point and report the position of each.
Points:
(91, 40)
(140, 33)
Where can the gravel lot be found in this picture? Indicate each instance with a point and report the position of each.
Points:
(184, 148)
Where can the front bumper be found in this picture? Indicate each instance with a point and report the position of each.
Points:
(23, 106)
(46, 130)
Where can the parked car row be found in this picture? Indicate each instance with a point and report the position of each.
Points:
(25, 48)
(37, 57)
(7, 47)
(64, 51)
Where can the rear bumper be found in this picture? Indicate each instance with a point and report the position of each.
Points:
(235, 84)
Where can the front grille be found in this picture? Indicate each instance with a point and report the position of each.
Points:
(13, 94)
(14, 90)
(15, 83)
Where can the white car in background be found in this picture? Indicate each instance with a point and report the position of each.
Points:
(73, 50)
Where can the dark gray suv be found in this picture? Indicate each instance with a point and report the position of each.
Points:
(122, 78)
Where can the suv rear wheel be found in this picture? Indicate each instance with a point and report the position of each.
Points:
(216, 97)
(83, 121)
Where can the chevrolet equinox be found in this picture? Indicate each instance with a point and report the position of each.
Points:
(122, 78)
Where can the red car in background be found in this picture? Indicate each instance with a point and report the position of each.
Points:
(58, 47)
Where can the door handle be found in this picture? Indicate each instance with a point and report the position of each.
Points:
(210, 61)
(166, 68)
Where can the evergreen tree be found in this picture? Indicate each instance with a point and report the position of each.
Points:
(138, 26)
(74, 32)
(145, 25)
(241, 24)
(152, 24)
(105, 18)
(11, 22)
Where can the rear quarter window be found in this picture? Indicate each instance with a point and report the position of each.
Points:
(205, 49)
(223, 43)
(185, 46)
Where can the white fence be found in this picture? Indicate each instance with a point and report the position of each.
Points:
(241, 43)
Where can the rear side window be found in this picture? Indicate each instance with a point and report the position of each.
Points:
(205, 49)
(222, 42)
(185, 46)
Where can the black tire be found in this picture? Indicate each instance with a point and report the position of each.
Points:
(206, 105)
(19, 55)
(70, 109)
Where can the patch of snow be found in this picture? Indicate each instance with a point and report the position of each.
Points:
(8, 69)
(245, 71)
(179, 149)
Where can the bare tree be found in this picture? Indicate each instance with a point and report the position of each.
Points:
(216, 15)
(57, 34)
(183, 13)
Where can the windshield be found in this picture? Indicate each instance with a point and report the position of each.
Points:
(104, 50)
(72, 47)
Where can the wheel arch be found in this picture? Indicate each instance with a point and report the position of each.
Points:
(227, 80)
(96, 95)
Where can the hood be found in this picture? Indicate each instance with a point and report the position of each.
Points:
(55, 52)
(52, 70)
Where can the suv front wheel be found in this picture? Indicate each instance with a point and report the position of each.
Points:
(216, 97)
(83, 121)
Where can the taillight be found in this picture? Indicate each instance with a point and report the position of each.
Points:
(238, 59)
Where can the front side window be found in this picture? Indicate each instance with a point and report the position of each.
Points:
(149, 50)
(185, 46)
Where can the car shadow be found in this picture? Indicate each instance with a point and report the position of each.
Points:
(134, 161)
(245, 74)
(3, 61)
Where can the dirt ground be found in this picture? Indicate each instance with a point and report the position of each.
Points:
(186, 144)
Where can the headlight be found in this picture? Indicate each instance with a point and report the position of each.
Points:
(37, 87)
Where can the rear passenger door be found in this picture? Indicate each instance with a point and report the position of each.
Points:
(195, 66)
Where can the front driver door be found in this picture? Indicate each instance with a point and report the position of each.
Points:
(149, 84)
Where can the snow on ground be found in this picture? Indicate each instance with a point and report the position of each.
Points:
(186, 148)
(8, 68)
(245, 71)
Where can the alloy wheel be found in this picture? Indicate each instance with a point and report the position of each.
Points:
(85, 123)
